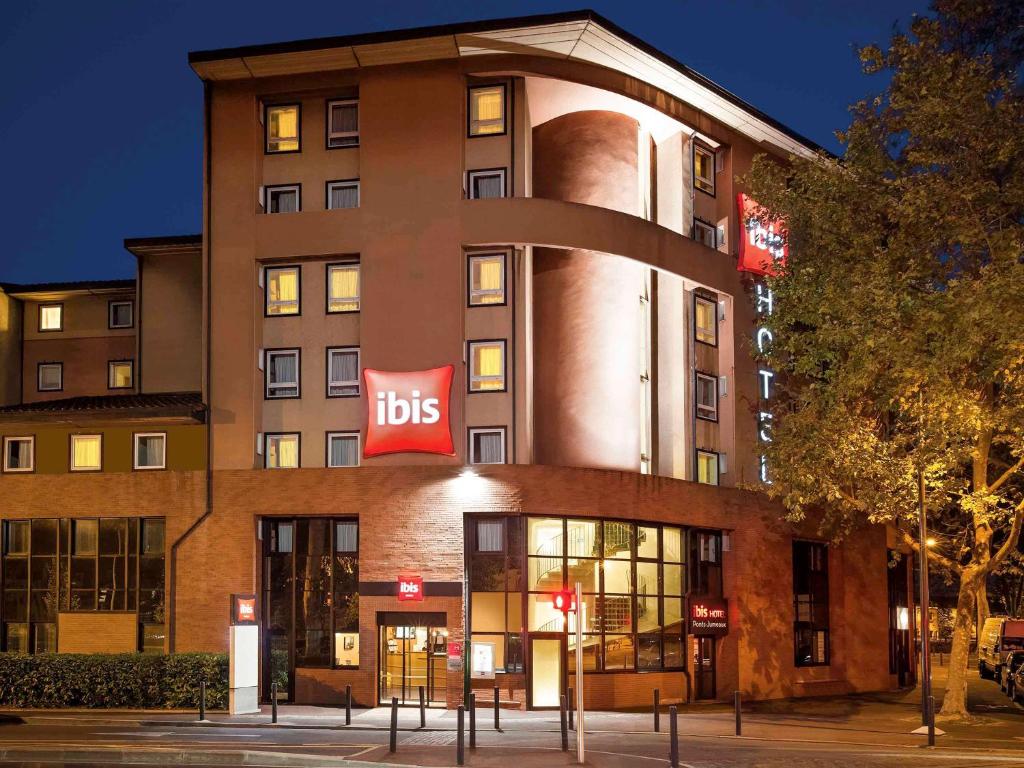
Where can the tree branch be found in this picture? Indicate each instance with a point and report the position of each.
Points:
(1011, 541)
(1006, 475)
(945, 562)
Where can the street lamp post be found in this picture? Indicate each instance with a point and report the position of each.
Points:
(926, 663)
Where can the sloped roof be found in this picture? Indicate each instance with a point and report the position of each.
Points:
(145, 406)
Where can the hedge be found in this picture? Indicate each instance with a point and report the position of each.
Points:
(124, 680)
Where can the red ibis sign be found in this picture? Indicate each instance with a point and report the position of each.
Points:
(408, 412)
(410, 588)
(707, 616)
(243, 609)
(763, 249)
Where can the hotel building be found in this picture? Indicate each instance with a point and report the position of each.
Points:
(471, 320)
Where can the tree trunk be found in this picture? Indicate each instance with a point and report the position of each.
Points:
(954, 703)
(983, 607)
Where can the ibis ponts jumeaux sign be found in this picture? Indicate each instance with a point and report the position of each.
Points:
(707, 616)
(408, 411)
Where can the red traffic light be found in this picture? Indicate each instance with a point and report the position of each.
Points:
(564, 601)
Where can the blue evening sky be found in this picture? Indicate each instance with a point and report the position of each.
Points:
(102, 117)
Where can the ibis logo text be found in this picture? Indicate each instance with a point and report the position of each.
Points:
(408, 411)
(410, 588)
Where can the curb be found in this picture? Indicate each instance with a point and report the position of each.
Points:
(153, 756)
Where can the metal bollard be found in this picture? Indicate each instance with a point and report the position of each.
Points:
(393, 742)
(472, 721)
(563, 722)
(739, 722)
(572, 704)
(673, 738)
(497, 709)
(460, 739)
(273, 702)
(202, 700)
(931, 721)
(423, 708)
(348, 705)
(657, 713)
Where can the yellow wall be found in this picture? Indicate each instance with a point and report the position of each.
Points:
(10, 350)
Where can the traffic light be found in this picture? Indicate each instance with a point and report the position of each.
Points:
(564, 600)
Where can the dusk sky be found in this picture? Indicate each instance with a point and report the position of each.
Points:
(103, 116)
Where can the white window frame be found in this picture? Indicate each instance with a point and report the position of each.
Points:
(346, 436)
(269, 191)
(718, 468)
(347, 383)
(471, 176)
(50, 305)
(705, 411)
(474, 377)
(71, 459)
(110, 314)
(39, 377)
(298, 129)
(267, 438)
(31, 440)
(473, 431)
(269, 387)
(357, 299)
(475, 294)
(135, 450)
(701, 149)
(331, 185)
(475, 125)
(110, 374)
(268, 303)
(699, 225)
(697, 298)
(342, 134)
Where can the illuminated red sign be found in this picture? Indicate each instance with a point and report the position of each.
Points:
(408, 411)
(564, 601)
(243, 609)
(410, 588)
(707, 616)
(763, 249)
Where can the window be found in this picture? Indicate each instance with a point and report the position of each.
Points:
(487, 366)
(486, 279)
(494, 558)
(704, 233)
(810, 601)
(282, 451)
(486, 184)
(707, 397)
(51, 317)
(51, 377)
(285, 198)
(19, 454)
(486, 110)
(487, 445)
(490, 536)
(706, 556)
(120, 314)
(84, 537)
(342, 194)
(282, 128)
(86, 453)
(282, 374)
(342, 449)
(705, 319)
(707, 467)
(119, 374)
(343, 287)
(704, 169)
(150, 450)
(342, 123)
(16, 538)
(283, 285)
(343, 372)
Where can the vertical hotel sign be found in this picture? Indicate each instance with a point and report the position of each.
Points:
(762, 252)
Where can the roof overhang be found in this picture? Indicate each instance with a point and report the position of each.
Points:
(169, 245)
(58, 291)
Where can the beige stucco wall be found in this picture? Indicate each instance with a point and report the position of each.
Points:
(171, 322)
(10, 349)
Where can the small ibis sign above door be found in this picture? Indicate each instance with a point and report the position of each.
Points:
(410, 588)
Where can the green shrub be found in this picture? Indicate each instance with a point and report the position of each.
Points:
(124, 680)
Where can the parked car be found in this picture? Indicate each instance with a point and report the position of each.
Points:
(1015, 688)
(999, 635)
(1011, 662)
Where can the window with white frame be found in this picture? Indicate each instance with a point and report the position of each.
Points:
(120, 374)
(342, 449)
(281, 451)
(343, 371)
(282, 128)
(487, 445)
(51, 317)
(704, 233)
(342, 194)
(150, 450)
(705, 319)
(707, 467)
(487, 184)
(86, 453)
(707, 397)
(343, 123)
(704, 168)
(487, 366)
(486, 110)
(282, 292)
(285, 198)
(282, 373)
(51, 377)
(343, 287)
(486, 279)
(120, 314)
(19, 454)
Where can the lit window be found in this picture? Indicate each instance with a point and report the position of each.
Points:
(282, 375)
(343, 449)
(283, 199)
(120, 314)
(85, 536)
(51, 317)
(487, 110)
(343, 123)
(811, 605)
(150, 450)
(490, 536)
(343, 372)
(707, 467)
(86, 453)
(704, 169)
(119, 374)
(487, 366)
(283, 291)
(342, 194)
(707, 397)
(51, 377)
(487, 446)
(704, 233)
(283, 128)
(343, 287)
(486, 184)
(705, 317)
(282, 451)
(19, 454)
(486, 279)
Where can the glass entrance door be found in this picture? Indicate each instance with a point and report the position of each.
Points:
(704, 667)
(545, 671)
(410, 657)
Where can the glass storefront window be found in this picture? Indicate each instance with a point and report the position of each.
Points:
(618, 540)
(618, 576)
